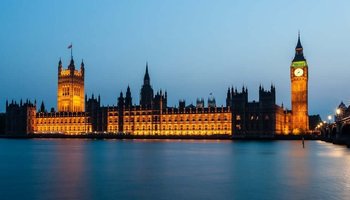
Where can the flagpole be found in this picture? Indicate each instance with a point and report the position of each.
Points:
(71, 50)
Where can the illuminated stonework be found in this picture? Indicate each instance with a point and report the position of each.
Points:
(299, 91)
(172, 121)
(63, 122)
(76, 114)
(70, 92)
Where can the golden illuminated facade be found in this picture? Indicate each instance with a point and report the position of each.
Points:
(63, 122)
(71, 117)
(70, 92)
(162, 120)
(172, 121)
(299, 91)
(76, 114)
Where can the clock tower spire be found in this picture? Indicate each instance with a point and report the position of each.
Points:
(299, 90)
(299, 54)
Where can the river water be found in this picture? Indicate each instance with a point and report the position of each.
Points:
(172, 169)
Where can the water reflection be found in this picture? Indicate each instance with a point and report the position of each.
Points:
(172, 169)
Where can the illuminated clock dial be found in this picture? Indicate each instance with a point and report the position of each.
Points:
(298, 72)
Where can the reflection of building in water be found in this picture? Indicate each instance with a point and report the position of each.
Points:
(153, 116)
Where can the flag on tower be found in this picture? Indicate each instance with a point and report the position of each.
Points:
(70, 46)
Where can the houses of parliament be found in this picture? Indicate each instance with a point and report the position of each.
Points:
(77, 114)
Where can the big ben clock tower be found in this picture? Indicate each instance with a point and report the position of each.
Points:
(299, 76)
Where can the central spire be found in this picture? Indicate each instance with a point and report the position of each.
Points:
(146, 79)
(299, 46)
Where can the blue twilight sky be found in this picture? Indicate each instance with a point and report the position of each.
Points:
(193, 47)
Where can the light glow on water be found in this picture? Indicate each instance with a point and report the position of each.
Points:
(172, 169)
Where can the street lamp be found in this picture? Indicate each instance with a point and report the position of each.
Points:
(329, 118)
(338, 111)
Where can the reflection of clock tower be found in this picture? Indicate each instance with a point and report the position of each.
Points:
(299, 81)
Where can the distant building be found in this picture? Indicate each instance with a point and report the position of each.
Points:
(343, 112)
(2, 123)
(342, 122)
(20, 117)
(314, 120)
(76, 114)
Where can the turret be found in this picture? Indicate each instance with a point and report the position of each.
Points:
(82, 68)
(121, 101)
(158, 101)
(228, 97)
(182, 104)
(128, 98)
(42, 107)
(71, 66)
(211, 102)
(273, 88)
(200, 103)
(59, 66)
(267, 98)
(120, 112)
(165, 102)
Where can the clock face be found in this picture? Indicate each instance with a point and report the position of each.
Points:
(298, 72)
